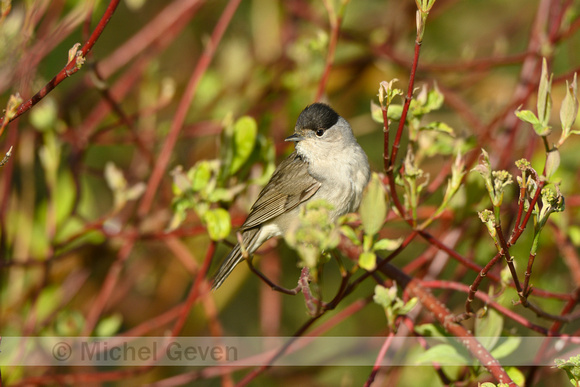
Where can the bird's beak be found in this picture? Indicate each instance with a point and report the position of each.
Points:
(294, 138)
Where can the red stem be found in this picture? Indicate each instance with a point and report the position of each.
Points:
(408, 99)
(335, 31)
(70, 67)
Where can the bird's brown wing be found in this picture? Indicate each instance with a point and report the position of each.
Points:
(290, 185)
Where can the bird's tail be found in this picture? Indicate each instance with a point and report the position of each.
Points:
(226, 268)
(235, 257)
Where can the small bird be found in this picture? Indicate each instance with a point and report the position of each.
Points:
(328, 163)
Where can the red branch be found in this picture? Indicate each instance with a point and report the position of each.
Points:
(71, 67)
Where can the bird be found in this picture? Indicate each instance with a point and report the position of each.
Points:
(327, 163)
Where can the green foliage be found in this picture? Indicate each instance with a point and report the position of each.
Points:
(373, 212)
(414, 180)
(238, 141)
(569, 110)
(122, 193)
(210, 182)
(392, 304)
(373, 207)
(571, 367)
(218, 223)
(313, 234)
(495, 181)
(109, 326)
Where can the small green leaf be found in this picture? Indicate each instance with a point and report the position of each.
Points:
(440, 127)
(114, 177)
(245, 132)
(488, 328)
(552, 162)
(181, 182)
(48, 301)
(373, 208)
(367, 261)
(43, 117)
(376, 113)
(434, 99)
(200, 175)
(544, 96)
(348, 232)
(430, 330)
(394, 112)
(108, 326)
(224, 194)
(541, 128)
(442, 354)
(516, 376)
(506, 346)
(218, 223)
(409, 305)
(569, 108)
(69, 323)
(574, 234)
(385, 296)
(527, 116)
(571, 367)
(135, 191)
(387, 244)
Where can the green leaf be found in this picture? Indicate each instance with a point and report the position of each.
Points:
(552, 162)
(574, 234)
(442, 354)
(527, 116)
(69, 323)
(108, 326)
(409, 305)
(440, 127)
(245, 132)
(488, 328)
(544, 96)
(516, 376)
(506, 346)
(373, 208)
(569, 108)
(376, 113)
(48, 301)
(225, 194)
(218, 223)
(200, 175)
(430, 330)
(348, 232)
(181, 183)
(541, 128)
(434, 99)
(394, 112)
(44, 115)
(367, 261)
(65, 198)
(384, 296)
(387, 244)
(114, 177)
(571, 367)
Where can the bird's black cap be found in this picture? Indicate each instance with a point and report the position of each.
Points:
(317, 116)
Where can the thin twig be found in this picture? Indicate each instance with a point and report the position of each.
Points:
(71, 67)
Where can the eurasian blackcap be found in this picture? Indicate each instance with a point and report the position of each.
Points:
(328, 163)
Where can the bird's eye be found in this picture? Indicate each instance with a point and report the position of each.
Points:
(319, 132)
